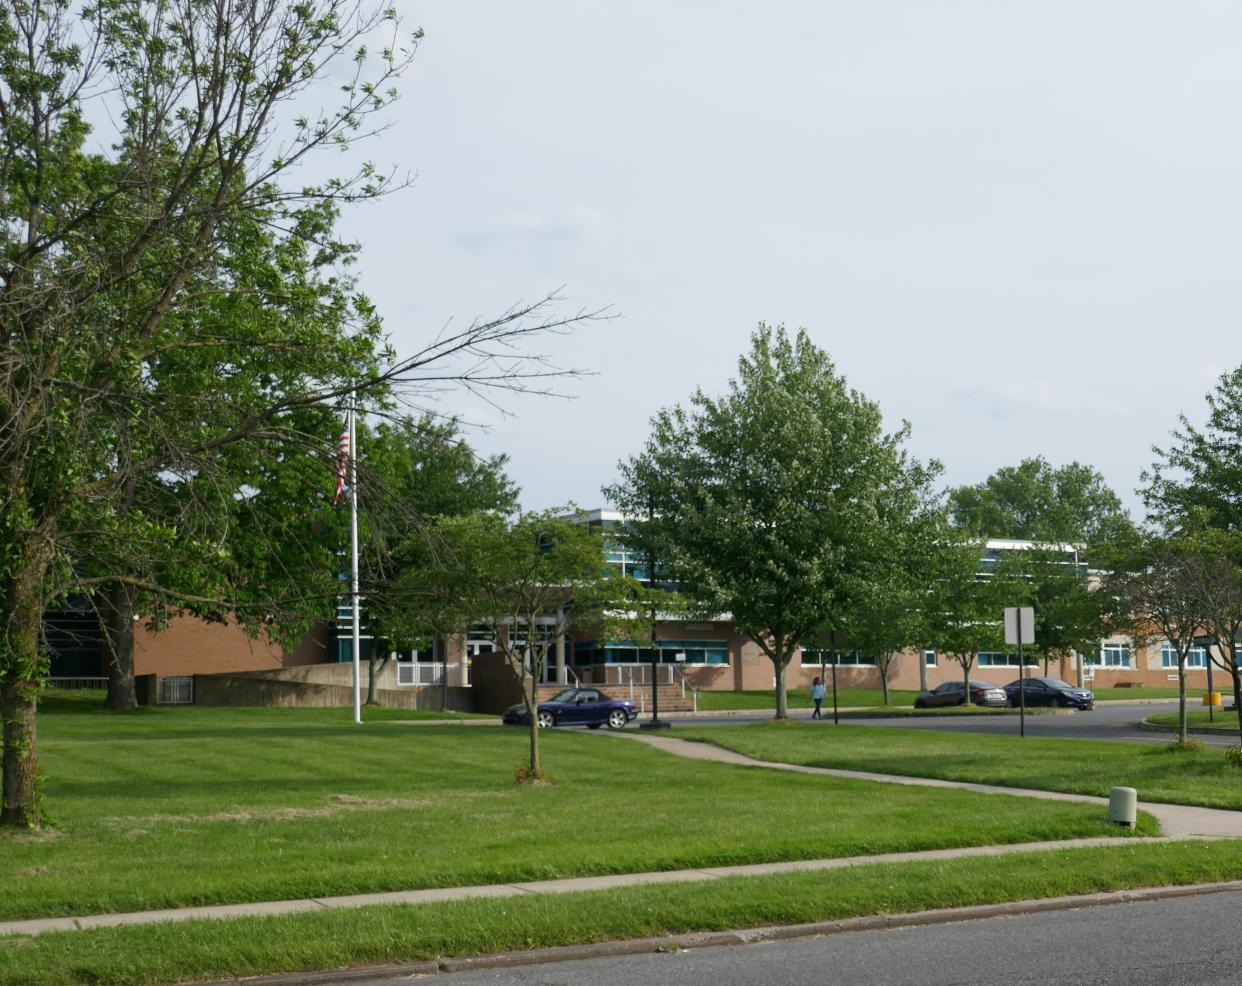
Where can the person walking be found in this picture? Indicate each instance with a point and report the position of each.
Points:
(817, 695)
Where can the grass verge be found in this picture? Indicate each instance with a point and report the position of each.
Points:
(1226, 722)
(328, 939)
(1076, 766)
(204, 806)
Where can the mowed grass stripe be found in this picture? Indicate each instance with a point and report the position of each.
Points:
(203, 806)
(1073, 766)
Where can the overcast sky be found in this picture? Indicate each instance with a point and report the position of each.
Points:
(1016, 225)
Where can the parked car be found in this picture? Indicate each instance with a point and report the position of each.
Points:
(950, 693)
(576, 707)
(1053, 692)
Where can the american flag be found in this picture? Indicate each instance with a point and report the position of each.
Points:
(340, 465)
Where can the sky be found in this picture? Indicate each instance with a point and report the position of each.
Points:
(1015, 225)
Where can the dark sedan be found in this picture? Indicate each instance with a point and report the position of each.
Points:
(950, 693)
(576, 707)
(1052, 691)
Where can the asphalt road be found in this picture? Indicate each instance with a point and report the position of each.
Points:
(1105, 722)
(1190, 941)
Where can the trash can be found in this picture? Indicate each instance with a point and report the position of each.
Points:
(1123, 806)
(1211, 698)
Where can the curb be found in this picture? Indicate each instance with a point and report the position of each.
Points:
(717, 939)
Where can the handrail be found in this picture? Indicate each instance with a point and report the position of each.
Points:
(694, 692)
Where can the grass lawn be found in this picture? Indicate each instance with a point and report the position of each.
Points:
(1079, 766)
(1198, 718)
(328, 939)
(173, 806)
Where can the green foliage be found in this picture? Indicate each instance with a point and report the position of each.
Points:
(1233, 756)
(774, 501)
(1201, 470)
(1036, 501)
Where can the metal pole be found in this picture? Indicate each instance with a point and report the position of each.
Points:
(353, 555)
(1021, 681)
(836, 719)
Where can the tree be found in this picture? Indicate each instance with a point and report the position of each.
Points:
(767, 503)
(1201, 469)
(1214, 583)
(1039, 502)
(887, 614)
(1070, 513)
(1154, 578)
(964, 606)
(114, 246)
(528, 582)
(412, 472)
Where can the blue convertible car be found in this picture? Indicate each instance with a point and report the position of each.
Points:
(576, 707)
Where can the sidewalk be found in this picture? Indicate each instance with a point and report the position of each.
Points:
(41, 925)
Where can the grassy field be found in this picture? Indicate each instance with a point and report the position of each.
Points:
(1079, 766)
(328, 939)
(172, 806)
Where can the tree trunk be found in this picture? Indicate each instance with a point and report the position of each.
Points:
(1236, 674)
(375, 667)
(923, 669)
(532, 706)
(885, 666)
(966, 681)
(782, 699)
(21, 755)
(21, 670)
(1181, 699)
(119, 627)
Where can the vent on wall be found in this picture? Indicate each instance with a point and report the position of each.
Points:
(177, 691)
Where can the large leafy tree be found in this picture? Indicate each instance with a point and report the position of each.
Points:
(1037, 501)
(772, 501)
(131, 260)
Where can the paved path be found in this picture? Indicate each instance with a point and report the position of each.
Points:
(1176, 821)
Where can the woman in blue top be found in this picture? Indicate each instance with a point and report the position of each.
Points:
(817, 694)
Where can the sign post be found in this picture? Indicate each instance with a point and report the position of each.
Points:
(1020, 629)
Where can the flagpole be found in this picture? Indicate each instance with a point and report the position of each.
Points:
(353, 555)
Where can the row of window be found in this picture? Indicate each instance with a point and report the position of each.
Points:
(588, 652)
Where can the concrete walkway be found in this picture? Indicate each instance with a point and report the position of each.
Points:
(1177, 822)
(220, 911)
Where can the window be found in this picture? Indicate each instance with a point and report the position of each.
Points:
(1197, 658)
(929, 658)
(999, 659)
(1112, 656)
(588, 652)
(851, 659)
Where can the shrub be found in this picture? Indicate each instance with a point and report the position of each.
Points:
(1233, 756)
